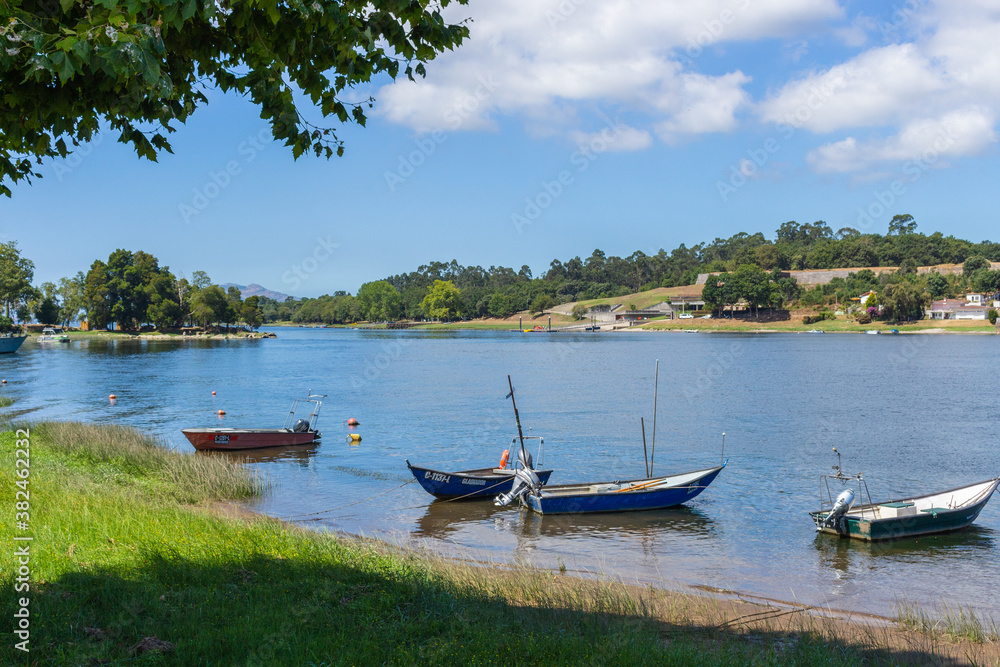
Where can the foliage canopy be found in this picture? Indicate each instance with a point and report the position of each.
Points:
(138, 66)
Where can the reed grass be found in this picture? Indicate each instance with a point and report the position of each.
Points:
(953, 622)
(119, 555)
(6, 401)
(125, 456)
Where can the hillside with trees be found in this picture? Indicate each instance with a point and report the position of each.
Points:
(131, 289)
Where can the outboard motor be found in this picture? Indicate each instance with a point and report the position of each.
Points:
(524, 456)
(525, 480)
(843, 503)
(301, 426)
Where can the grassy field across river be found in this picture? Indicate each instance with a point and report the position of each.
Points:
(140, 557)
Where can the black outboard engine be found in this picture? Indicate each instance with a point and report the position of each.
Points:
(301, 426)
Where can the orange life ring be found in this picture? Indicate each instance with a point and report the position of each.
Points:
(503, 459)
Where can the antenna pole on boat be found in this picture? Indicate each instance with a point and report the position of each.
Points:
(645, 455)
(656, 381)
(723, 457)
(517, 418)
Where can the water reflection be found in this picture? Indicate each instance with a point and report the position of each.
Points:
(300, 454)
(614, 525)
(442, 519)
(846, 557)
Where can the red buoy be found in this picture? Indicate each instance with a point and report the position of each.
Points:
(112, 397)
(221, 412)
(353, 422)
(213, 393)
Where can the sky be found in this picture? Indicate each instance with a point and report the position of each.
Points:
(562, 126)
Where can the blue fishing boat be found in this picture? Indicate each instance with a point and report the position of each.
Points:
(487, 482)
(473, 484)
(621, 496)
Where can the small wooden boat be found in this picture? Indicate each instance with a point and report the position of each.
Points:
(469, 484)
(294, 432)
(940, 512)
(621, 496)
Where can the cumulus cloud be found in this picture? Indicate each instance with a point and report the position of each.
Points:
(901, 94)
(543, 57)
(931, 142)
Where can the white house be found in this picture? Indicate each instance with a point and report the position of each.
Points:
(957, 309)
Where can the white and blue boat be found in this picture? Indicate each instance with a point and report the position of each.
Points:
(621, 496)
(479, 483)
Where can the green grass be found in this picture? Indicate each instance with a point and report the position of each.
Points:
(6, 401)
(955, 623)
(129, 543)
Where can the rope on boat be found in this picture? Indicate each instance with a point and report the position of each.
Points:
(448, 500)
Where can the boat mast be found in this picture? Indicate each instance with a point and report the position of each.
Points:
(517, 418)
(656, 380)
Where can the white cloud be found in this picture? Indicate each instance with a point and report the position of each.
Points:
(561, 57)
(948, 75)
(958, 133)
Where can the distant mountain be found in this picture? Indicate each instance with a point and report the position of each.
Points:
(253, 289)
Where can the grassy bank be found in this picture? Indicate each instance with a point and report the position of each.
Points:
(131, 542)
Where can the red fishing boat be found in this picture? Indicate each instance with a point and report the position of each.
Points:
(294, 432)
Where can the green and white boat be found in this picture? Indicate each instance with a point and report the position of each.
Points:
(940, 512)
(53, 335)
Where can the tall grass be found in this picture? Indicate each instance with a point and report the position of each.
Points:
(6, 401)
(953, 622)
(132, 457)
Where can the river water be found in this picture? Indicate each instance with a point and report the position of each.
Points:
(915, 414)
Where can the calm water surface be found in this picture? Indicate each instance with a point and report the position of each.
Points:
(915, 414)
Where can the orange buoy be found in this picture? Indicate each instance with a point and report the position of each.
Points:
(112, 397)
(3, 382)
(353, 422)
(213, 393)
(504, 459)
(221, 412)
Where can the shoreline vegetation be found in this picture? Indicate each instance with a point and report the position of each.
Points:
(143, 554)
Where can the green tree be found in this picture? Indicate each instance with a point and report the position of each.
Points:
(442, 301)
(902, 224)
(47, 311)
(579, 311)
(97, 296)
(542, 303)
(71, 297)
(251, 312)
(903, 301)
(209, 305)
(16, 274)
(379, 301)
(974, 263)
(502, 305)
(70, 68)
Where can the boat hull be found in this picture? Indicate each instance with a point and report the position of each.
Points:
(468, 484)
(604, 497)
(927, 521)
(229, 439)
(10, 344)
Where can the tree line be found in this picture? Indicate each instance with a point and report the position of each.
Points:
(131, 288)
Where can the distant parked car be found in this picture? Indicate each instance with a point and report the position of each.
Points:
(707, 317)
(686, 316)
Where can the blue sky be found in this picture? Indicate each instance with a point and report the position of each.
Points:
(561, 127)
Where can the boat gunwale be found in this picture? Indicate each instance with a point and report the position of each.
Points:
(563, 490)
(860, 509)
(479, 473)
